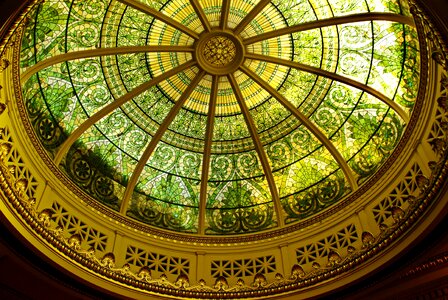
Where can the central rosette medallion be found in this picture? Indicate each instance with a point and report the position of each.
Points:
(219, 52)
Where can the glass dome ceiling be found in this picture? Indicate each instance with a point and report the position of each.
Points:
(219, 117)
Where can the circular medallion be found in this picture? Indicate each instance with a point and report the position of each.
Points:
(219, 52)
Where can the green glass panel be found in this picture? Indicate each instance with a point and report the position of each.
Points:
(235, 166)
(359, 126)
(305, 172)
(319, 196)
(296, 11)
(345, 7)
(290, 149)
(381, 144)
(355, 51)
(238, 193)
(240, 220)
(164, 214)
(408, 86)
(173, 160)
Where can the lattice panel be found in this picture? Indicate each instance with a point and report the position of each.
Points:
(15, 163)
(438, 136)
(398, 198)
(243, 267)
(72, 225)
(157, 262)
(335, 242)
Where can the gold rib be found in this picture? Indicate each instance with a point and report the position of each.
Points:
(206, 155)
(363, 87)
(155, 140)
(160, 16)
(331, 22)
(200, 12)
(114, 105)
(225, 10)
(308, 124)
(259, 148)
(251, 15)
(98, 52)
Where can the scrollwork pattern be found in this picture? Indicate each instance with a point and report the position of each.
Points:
(163, 214)
(307, 202)
(92, 175)
(240, 220)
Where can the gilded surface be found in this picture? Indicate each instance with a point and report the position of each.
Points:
(219, 51)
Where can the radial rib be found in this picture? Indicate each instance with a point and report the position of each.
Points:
(155, 140)
(259, 148)
(200, 12)
(160, 16)
(331, 22)
(206, 156)
(98, 52)
(363, 87)
(251, 15)
(225, 9)
(308, 124)
(114, 105)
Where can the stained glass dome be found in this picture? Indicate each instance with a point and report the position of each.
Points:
(222, 149)
(215, 117)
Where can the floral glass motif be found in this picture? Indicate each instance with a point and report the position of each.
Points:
(348, 88)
